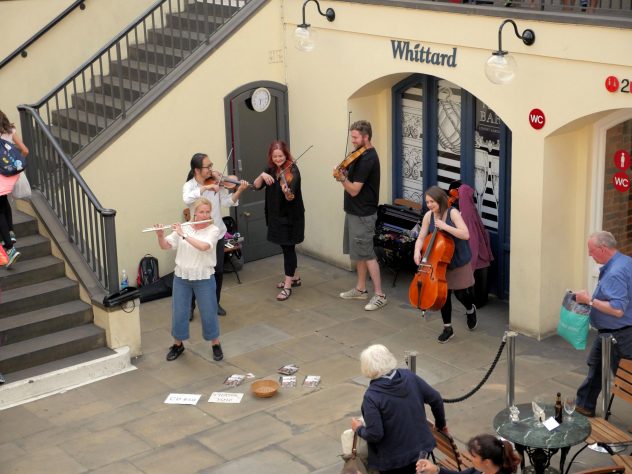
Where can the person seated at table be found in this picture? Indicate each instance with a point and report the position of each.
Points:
(490, 455)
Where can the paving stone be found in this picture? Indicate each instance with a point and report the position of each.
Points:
(263, 361)
(251, 338)
(126, 388)
(314, 448)
(181, 420)
(49, 460)
(9, 451)
(309, 348)
(357, 332)
(270, 461)
(301, 323)
(105, 447)
(332, 370)
(183, 457)
(238, 438)
(156, 340)
(321, 407)
(20, 422)
(54, 436)
(124, 414)
(122, 467)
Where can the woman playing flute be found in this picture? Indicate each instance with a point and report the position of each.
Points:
(195, 262)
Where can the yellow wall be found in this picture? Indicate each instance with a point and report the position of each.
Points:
(155, 151)
(60, 51)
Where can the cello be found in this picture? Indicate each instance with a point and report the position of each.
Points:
(429, 289)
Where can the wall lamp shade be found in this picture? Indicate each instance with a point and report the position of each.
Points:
(305, 39)
(501, 67)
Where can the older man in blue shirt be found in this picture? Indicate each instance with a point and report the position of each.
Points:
(611, 312)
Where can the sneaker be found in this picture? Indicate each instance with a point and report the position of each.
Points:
(220, 311)
(13, 255)
(354, 294)
(446, 335)
(12, 235)
(472, 322)
(175, 351)
(585, 411)
(217, 352)
(377, 302)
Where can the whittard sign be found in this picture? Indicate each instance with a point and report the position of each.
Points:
(422, 54)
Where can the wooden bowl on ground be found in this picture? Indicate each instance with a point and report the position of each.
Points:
(264, 388)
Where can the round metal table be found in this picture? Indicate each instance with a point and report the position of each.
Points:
(538, 442)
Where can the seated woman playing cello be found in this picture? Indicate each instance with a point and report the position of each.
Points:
(459, 274)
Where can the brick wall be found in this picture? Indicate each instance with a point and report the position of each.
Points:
(617, 206)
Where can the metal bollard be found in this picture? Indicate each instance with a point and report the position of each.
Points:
(410, 357)
(510, 337)
(606, 376)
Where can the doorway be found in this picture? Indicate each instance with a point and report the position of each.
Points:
(249, 132)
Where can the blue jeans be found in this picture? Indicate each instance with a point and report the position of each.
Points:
(589, 390)
(204, 291)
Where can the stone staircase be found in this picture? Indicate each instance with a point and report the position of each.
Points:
(132, 77)
(43, 323)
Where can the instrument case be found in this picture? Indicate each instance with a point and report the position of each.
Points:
(393, 241)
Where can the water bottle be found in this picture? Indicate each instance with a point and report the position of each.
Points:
(124, 280)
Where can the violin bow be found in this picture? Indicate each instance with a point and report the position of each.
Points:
(294, 162)
(230, 153)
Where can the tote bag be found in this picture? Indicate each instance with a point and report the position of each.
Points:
(574, 321)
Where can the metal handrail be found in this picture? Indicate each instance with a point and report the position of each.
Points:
(89, 225)
(103, 89)
(21, 50)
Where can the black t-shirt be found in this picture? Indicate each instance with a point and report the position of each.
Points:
(365, 169)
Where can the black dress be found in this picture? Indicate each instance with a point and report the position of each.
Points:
(285, 219)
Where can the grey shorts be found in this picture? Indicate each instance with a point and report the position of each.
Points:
(357, 240)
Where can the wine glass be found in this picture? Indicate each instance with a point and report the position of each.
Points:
(539, 401)
(422, 455)
(569, 406)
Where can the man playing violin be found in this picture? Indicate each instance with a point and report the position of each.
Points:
(199, 185)
(361, 182)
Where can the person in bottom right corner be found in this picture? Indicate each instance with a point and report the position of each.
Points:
(611, 312)
(490, 455)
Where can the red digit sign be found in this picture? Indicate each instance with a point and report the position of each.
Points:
(612, 84)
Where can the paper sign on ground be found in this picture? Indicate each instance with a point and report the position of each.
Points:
(225, 397)
(183, 399)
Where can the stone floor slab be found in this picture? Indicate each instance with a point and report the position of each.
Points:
(314, 448)
(271, 461)
(251, 338)
(184, 457)
(357, 332)
(49, 460)
(242, 437)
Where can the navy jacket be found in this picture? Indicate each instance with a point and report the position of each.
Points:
(395, 419)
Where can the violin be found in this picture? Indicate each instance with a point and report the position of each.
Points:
(340, 171)
(227, 181)
(429, 289)
(284, 176)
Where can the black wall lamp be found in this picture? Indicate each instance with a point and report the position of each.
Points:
(304, 38)
(501, 67)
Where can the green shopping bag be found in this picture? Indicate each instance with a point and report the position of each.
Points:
(574, 321)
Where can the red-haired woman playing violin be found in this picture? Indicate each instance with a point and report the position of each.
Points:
(285, 213)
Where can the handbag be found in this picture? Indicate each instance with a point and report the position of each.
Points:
(22, 188)
(353, 463)
(574, 321)
(11, 160)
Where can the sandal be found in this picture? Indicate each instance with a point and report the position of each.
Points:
(284, 294)
(295, 283)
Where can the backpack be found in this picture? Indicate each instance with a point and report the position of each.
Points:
(11, 160)
(147, 270)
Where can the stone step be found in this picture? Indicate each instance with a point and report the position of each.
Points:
(174, 38)
(43, 321)
(26, 271)
(217, 7)
(37, 296)
(206, 22)
(131, 90)
(64, 374)
(23, 224)
(32, 246)
(156, 54)
(137, 70)
(100, 104)
(75, 119)
(43, 349)
(70, 140)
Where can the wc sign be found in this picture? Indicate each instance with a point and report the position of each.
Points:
(621, 180)
(537, 119)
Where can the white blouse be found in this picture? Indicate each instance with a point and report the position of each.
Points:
(191, 263)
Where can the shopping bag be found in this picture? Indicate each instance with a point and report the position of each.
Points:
(4, 258)
(574, 321)
(22, 188)
(353, 464)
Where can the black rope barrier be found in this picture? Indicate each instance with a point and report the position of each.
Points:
(485, 378)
